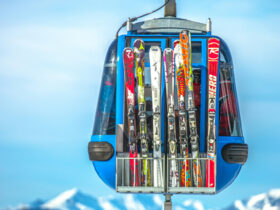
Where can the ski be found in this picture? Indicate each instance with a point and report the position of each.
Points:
(128, 60)
(139, 54)
(181, 88)
(172, 143)
(156, 69)
(213, 61)
(186, 52)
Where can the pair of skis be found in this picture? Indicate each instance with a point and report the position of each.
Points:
(182, 60)
(137, 55)
(176, 58)
(181, 57)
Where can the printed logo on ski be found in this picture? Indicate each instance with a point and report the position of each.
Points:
(213, 50)
(212, 85)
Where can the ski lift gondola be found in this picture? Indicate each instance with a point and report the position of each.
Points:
(108, 148)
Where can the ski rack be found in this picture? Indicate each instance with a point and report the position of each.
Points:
(193, 189)
(123, 176)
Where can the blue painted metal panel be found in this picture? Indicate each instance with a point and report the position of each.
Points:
(226, 172)
(163, 99)
(106, 170)
(203, 82)
(120, 81)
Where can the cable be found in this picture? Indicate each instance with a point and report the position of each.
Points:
(135, 18)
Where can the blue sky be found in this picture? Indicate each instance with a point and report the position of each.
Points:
(51, 59)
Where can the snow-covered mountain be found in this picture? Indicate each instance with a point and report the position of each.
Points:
(264, 201)
(76, 200)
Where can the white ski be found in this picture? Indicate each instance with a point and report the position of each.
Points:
(156, 69)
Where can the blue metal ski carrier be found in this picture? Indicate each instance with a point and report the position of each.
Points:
(108, 148)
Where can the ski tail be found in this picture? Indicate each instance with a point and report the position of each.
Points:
(185, 172)
(134, 172)
(146, 173)
(197, 177)
(128, 59)
(213, 62)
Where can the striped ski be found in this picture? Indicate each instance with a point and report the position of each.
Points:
(213, 59)
(172, 142)
(180, 77)
(128, 60)
(186, 52)
(139, 54)
(156, 70)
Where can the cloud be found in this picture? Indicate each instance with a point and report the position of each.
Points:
(158, 200)
(195, 203)
(132, 204)
(105, 204)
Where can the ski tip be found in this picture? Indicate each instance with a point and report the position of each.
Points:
(139, 43)
(177, 41)
(127, 49)
(167, 50)
(185, 31)
(155, 49)
(185, 34)
(128, 54)
(184, 37)
(177, 48)
(214, 40)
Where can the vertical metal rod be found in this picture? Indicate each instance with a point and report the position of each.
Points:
(170, 8)
(185, 159)
(134, 172)
(197, 172)
(168, 202)
(122, 171)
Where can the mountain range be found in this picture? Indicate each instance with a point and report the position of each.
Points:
(76, 200)
(264, 201)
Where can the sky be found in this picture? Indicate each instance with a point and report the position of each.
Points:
(51, 60)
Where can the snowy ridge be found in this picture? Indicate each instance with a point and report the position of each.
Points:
(76, 200)
(264, 201)
(61, 199)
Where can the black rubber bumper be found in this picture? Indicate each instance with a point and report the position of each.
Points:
(100, 151)
(235, 153)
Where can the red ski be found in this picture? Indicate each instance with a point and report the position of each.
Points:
(213, 61)
(128, 60)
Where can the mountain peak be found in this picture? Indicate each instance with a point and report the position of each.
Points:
(270, 200)
(63, 199)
